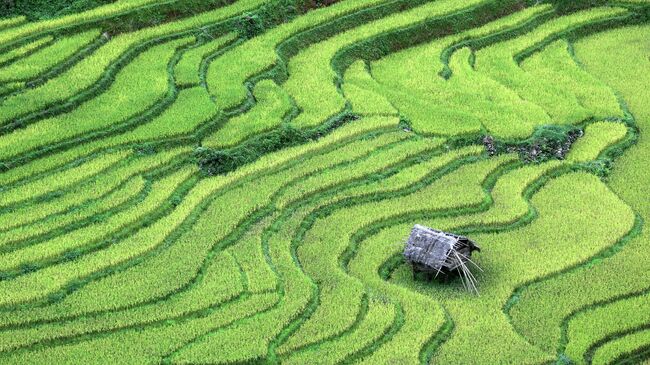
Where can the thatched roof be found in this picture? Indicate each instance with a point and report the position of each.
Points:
(433, 250)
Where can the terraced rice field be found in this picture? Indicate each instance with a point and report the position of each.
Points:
(234, 181)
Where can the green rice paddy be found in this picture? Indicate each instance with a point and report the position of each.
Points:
(234, 181)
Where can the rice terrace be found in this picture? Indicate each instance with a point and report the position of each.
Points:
(236, 181)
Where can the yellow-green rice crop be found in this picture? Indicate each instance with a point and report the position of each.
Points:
(235, 185)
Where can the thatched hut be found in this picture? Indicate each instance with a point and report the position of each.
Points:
(435, 252)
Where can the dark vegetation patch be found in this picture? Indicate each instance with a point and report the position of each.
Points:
(46, 9)
(548, 142)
